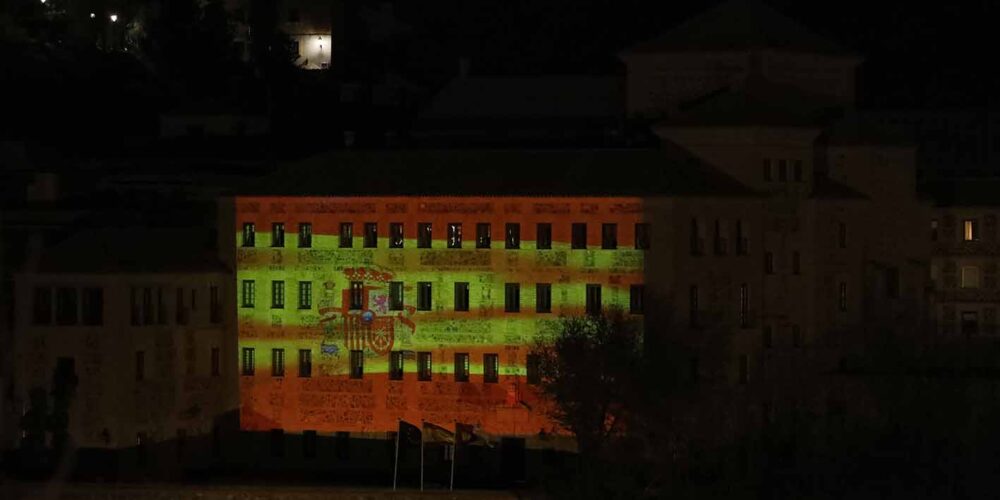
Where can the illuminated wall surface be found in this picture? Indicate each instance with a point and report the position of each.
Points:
(330, 400)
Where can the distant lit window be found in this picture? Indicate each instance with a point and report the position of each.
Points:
(512, 235)
(593, 299)
(357, 364)
(424, 366)
(461, 296)
(579, 235)
(461, 367)
(970, 277)
(278, 234)
(249, 234)
(642, 236)
(396, 237)
(371, 235)
(483, 237)
(543, 236)
(491, 368)
(454, 235)
(424, 296)
(424, 235)
(970, 229)
(277, 362)
(543, 298)
(609, 236)
(512, 297)
(346, 235)
(305, 235)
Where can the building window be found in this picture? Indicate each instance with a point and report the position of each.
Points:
(249, 293)
(842, 235)
(767, 337)
(396, 365)
(214, 305)
(305, 235)
(66, 306)
(533, 369)
(277, 362)
(543, 236)
(305, 294)
(721, 243)
(248, 234)
(147, 306)
(424, 366)
(461, 367)
(346, 235)
(796, 263)
(454, 235)
(744, 368)
(357, 364)
(371, 235)
(970, 277)
(782, 170)
(181, 314)
(609, 236)
(483, 238)
(309, 444)
(424, 235)
(395, 295)
(693, 304)
(642, 236)
(512, 297)
(93, 306)
(247, 361)
(424, 296)
(43, 306)
(970, 230)
(461, 296)
(543, 298)
(934, 230)
(396, 235)
(796, 336)
(593, 299)
(842, 297)
(798, 170)
(305, 363)
(892, 283)
(216, 362)
(512, 233)
(277, 295)
(697, 242)
(744, 305)
(767, 170)
(278, 234)
(742, 242)
(140, 366)
(161, 307)
(636, 299)
(491, 368)
(357, 295)
(768, 263)
(136, 307)
(579, 235)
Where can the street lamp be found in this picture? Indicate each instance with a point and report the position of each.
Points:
(92, 15)
(114, 18)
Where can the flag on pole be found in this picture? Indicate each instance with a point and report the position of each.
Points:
(436, 434)
(409, 433)
(468, 435)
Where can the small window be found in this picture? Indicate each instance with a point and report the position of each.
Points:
(93, 306)
(305, 294)
(424, 296)
(395, 295)
(842, 235)
(796, 263)
(423, 366)
(543, 298)
(140, 366)
(744, 305)
(768, 263)
(842, 297)
(798, 171)
(357, 364)
(970, 322)
(796, 336)
(642, 236)
(491, 368)
(934, 230)
(593, 299)
(782, 170)
(636, 299)
(216, 362)
(543, 236)
(147, 306)
(396, 365)
(461, 367)
(693, 305)
(483, 237)
(742, 242)
(181, 313)
(396, 235)
(371, 235)
(579, 235)
(136, 306)
(309, 444)
(249, 234)
(744, 368)
(970, 277)
(454, 235)
(768, 176)
(767, 337)
(720, 241)
(161, 307)
(609, 236)
(461, 296)
(346, 235)
(357, 295)
(697, 242)
(512, 234)
(66, 306)
(247, 361)
(214, 305)
(249, 293)
(512, 297)
(533, 369)
(277, 362)
(305, 363)
(970, 230)
(277, 294)
(892, 283)
(278, 234)
(305, 235)
(424, 235)
(43, 306)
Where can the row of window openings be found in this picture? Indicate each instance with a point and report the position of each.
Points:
(89, 310)
(484, 239)
(970, 230)
(695, 314)
(720, 238)
(971, 277)
(780, 170)
(512, 296)
(491, 365)
(140, 364)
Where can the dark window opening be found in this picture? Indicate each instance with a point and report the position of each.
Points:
(396, 237)
(309, 444)
(216, 362)
(512, 236)
(642, 236)
(305, 363)
(423, 366)
(579, 236)
(277, 295)
(543, 298)
(43, 306)
(305, 235)
(248, 234)
(357, 364)
(396, 365)
(305, 294)
(424, 296)
(512, 297)
(371, 235)
(278, 234)
(461, 367)
(636, 299)
(609, 236)
(140, 366)
(66, 306)
(483, 237)
(461, 296)
(277, 362)
(247, 361)
(454, 235)
(533, 369)
(249, 293)
(543, 236)
(346, 235)
(424, 235)
(594, 299)
(93, 306)
(395, 295)
(491, 368)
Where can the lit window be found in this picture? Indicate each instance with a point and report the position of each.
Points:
(970, 277)
(357, 295)
(305, 295)
(249, 293)
(247, 364)
(970, 230)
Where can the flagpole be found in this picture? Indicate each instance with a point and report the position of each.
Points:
(395, 465)
(421, 456)
(454, 450)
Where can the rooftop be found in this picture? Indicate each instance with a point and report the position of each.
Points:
(132, 250)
